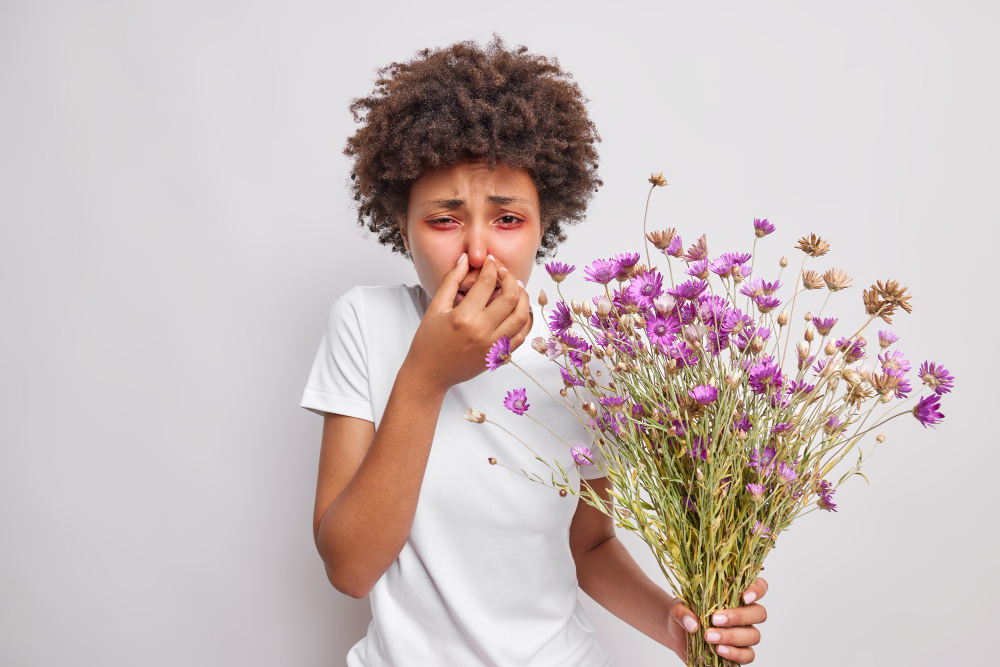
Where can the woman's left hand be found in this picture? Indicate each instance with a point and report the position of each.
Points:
(732, 633)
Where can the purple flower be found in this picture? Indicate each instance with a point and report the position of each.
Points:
(581, 455)
(756, 491)
(675, 248)
(689, 290)
(903, 389)
(766, 376)
(698, 269)
(627, 259)
(603, 271)
(699, 450)
(689, 501)
(499, 354)
(743, 423)
(611, 401)
(559, 270)
(799, 386)
(783, 427)
(832, 424)
(661, 329)
(561, 319)
(646, 287)
(894, 360)
(786, 474)
(886, 338)
(704, 393)
(763, 461)
(760, 529)
(569, 379)
(517, 401)
(926, 410)
(824, 324)
(825, 493)
(762, 228)
(759, 287)
(936, 377)
(767, 303)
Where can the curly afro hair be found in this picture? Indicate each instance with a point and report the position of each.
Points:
(506, 106)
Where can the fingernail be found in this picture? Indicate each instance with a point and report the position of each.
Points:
(750, 597)
(690, 624)
(722, 649)
(712, 636)
(460, 259)
(719, 619)
(493, 258)
(520, 284)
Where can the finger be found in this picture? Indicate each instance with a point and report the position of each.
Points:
(501, 311)
(742, 656)
(523, 309)
(756, 591)
(452, 281)
(480, 292)
(748, 615)
(746, 635)
(683, 615)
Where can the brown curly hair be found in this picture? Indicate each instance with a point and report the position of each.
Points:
(511, 107)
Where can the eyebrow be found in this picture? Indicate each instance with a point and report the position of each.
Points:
(500, 200)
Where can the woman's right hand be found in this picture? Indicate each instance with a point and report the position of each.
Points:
(451, 343)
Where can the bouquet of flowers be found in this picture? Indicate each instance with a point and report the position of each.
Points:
(713, 445)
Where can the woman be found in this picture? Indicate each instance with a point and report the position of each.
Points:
(470, 163)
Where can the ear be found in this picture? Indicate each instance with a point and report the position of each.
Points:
(406, 240)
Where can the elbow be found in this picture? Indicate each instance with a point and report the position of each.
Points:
(347, 585)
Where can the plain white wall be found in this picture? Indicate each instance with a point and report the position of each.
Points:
(176, 224)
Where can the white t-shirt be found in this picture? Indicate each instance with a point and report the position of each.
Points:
(486, 577)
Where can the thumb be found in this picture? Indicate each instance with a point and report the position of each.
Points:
(448, 289)
(684, 616)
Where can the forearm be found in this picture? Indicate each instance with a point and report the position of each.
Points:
(609, 575)
(364, 529)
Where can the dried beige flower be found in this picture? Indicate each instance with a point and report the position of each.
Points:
(813, 246)
(657, 179)
(661, 240)
(812, 280)
(474, 415)
(894, 294)
(836, 279)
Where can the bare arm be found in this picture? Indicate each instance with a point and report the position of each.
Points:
(365, 502)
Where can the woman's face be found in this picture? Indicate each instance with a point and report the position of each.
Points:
(465, 207)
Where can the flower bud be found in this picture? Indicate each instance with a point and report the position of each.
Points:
(562, 392)
(563, 492)
(756, 344)
(783, 262)
(783, 317)
(671, 366)
(586, 369)
(475, 416)
(538, 345)
(699, 474)
(886, 397)
(640, 321)
(851, 376)
(542, 299)
(808, 316)
(830, 349)
(608, 351)
(599, 352)
(587, 312)
(880, 437)
(664, 303)
(810, 334)
(802, 349)
(574, 305)
(603, 306)
(493, 461)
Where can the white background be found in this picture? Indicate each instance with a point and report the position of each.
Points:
(176, 224)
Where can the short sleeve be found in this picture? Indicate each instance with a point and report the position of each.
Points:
(338, 381)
